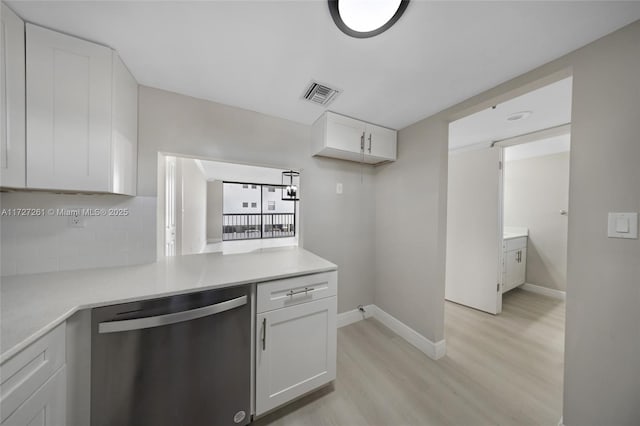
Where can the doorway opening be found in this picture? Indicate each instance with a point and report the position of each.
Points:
(507, 217)
(480, 242)
(535, 215)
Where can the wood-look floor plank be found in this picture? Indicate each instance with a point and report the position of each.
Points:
(499, 370)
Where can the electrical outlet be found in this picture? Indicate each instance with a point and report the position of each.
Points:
(338, 188)
(76, 220)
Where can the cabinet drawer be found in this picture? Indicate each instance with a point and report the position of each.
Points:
(292, 291)
(24, 373)
(515, 243)
(47, 405)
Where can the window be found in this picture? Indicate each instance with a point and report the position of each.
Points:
(248, 215)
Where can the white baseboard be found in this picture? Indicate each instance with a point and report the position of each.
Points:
(349, 317)
(556, 294)
(434, 350)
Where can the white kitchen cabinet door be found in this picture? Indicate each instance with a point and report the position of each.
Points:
(12, 97)
(45, 407)
(69, 84)
(124, 132)
(295, 352)
(344, 133)
(337, 136)
(380, 144)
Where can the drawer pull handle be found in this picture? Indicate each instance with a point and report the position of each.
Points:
(306, 291)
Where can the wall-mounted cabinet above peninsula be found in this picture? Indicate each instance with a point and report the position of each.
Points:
(337, 136)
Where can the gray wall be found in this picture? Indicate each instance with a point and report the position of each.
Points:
(602, 358)
(602, 368)
(336, 227)
(411, 201)
(214, 211)
(535, 190)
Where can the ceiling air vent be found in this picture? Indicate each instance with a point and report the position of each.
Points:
(320, 94)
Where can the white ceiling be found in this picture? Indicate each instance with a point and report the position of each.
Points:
(538, 148)
(550, 106)
(260, 55)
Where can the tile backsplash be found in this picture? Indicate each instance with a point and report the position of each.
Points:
(33, 244)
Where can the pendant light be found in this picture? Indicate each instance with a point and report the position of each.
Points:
(290, 184)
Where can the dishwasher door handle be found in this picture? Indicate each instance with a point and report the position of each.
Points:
(167, 319)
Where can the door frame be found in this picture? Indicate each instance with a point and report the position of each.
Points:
(515, 140)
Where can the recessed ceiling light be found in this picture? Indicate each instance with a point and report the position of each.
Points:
(366, 18)
(517, 116)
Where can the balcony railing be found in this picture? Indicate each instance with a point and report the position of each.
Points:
(249, 226)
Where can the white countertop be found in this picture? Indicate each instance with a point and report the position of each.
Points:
(31, 305)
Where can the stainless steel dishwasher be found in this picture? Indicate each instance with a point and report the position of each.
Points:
(178, 361)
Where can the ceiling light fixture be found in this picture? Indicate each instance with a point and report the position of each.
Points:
(517, 116)
(366, 18)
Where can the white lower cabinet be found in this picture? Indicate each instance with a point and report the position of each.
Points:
(46, 407)
(33, 383)
(515, 263)
(295, 349)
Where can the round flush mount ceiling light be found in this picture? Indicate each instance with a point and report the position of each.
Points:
(517, 116)
(366, 18)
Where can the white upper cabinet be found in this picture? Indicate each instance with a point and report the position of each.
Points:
(124, 131)
(81, 115)
(337, 136)
(12, 86)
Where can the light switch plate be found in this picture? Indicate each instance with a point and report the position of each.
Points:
(338, 188)
(623, 225)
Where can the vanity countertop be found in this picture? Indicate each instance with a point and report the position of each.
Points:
(31, 305)
(510, 233)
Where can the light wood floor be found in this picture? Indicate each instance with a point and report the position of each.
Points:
(503, 370)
